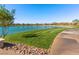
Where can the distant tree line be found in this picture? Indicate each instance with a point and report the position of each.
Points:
(74, 22)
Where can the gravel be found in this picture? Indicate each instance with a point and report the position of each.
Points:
(21, 49)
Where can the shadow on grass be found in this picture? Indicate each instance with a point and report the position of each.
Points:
(30, 35)
(8, 44)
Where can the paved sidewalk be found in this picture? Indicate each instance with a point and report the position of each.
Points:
(66, 43)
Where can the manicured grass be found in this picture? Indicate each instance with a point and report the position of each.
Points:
(38, 38)
(76, 26)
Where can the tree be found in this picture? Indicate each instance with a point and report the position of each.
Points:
(6, 18)
(76, 21)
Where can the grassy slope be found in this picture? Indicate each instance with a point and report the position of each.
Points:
(76, 26)
(38, 38)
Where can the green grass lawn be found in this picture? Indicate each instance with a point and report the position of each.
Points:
(37, 38)
(76, 26)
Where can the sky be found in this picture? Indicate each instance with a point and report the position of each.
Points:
(44, 13)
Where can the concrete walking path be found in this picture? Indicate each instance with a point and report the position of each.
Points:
(66, 43)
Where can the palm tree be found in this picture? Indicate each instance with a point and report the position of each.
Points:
(6, 18)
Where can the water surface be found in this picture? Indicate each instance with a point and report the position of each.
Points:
(16, 29)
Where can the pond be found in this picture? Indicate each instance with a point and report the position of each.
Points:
(16, 29)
